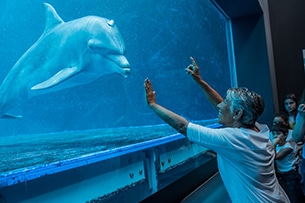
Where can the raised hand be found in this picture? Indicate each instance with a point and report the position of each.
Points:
(150, 94)
(193, 69)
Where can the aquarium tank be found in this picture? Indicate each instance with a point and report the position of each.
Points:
(72, 83)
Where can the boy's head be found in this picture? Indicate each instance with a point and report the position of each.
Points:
(279, 130)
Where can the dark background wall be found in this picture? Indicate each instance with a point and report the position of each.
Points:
(250, 49)
(251, 59)
(268, 40)
(287, 24)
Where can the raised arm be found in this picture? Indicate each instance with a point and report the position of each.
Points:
(211, 94)
(299, 128)
(174, 120)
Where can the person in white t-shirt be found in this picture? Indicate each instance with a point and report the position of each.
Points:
(286, 163)
(245, 154)
(282, 118)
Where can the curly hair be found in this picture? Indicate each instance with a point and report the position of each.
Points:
(250, 102)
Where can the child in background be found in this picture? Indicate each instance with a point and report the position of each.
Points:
(282, 118)
(286, 163)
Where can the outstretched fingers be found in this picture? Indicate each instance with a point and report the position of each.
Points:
(148, 86)
(193, 69)
(150, 94)
(193, 62)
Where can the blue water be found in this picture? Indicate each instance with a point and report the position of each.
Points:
(26, 151)
(159, 36)
(23, 153)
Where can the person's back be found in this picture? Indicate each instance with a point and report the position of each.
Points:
(245, 162)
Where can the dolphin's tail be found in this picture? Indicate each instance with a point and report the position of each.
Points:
(10, 116)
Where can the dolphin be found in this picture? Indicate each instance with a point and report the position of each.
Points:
(67, 54)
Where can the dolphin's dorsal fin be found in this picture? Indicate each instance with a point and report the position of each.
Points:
(52, 18)
(57, 78)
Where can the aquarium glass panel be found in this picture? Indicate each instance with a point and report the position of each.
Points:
(67, 74)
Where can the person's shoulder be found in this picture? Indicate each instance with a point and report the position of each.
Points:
(191, 126)
(287, 145)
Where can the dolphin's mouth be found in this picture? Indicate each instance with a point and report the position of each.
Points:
(120, 61)
(126, 72)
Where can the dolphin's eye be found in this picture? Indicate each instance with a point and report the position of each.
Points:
(110, 23)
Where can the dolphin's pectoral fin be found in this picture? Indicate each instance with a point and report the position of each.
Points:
(6, 115)
(57, 78)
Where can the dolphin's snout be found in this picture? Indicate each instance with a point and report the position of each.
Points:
(123, 67)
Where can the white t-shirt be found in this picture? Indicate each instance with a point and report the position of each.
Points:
(288, 139)
(288, 162)
(245, 161)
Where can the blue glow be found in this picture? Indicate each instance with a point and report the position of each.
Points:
(159, 39)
